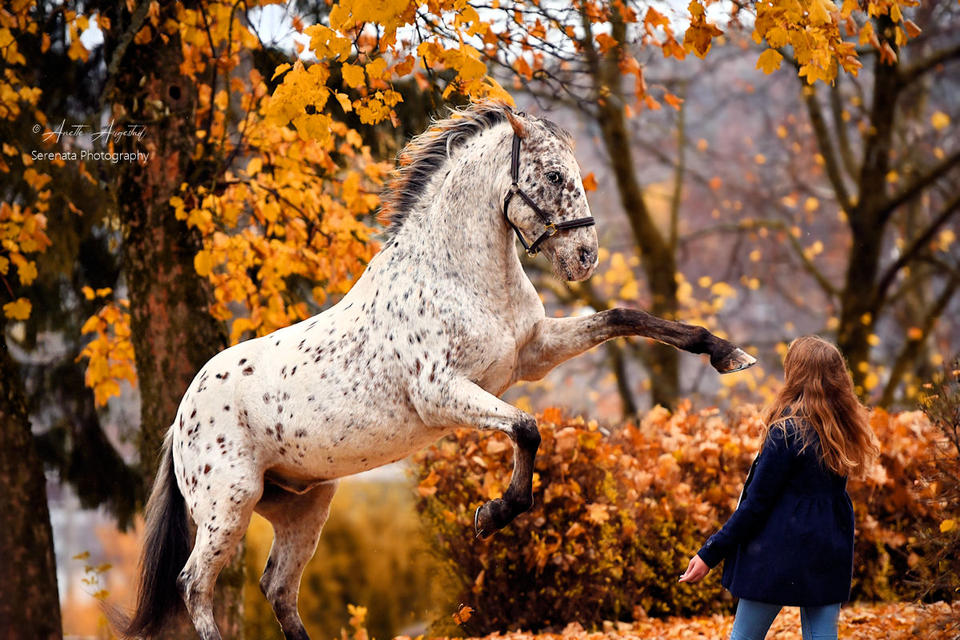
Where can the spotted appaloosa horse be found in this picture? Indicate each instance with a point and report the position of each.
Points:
(439, 325)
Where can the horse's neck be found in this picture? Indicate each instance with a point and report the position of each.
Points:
(457, 226)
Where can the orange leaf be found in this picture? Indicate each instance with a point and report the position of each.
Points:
(462, 614)
(673, 100)
(19, 309)
(589, 182)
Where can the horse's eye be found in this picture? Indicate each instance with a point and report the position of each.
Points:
(554, 177)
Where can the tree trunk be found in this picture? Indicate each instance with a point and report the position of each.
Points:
(858, 313)
(29, 602)
(656, 255)
(172, 332)
(658, 261)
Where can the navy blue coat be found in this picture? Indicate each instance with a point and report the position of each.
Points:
(790, 541)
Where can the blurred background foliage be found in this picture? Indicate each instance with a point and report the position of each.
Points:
(372, 553)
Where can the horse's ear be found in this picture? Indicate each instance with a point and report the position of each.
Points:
(519, 127)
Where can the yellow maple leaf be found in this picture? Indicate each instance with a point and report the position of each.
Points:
(353, 75)
(344, 101)
(203, 263)
(77, 51)
(376, 69)
(27, 272)
(19, 309)
(820, 10)
(769, 61)
(280, 70)
(327, 43)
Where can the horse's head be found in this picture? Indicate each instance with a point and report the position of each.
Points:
(547, 197)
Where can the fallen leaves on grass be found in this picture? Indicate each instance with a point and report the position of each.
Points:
(893, 621)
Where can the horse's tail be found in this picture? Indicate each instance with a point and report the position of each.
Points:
(166, 547)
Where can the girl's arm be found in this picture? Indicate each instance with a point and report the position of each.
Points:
(773, 468)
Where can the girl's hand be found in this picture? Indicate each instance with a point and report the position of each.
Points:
(696, 570)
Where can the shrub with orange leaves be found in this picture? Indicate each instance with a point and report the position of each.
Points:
(617, 516)
(938, 569)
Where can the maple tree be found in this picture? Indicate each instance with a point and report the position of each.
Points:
(941, 397)
(362, 37)
(881, 200)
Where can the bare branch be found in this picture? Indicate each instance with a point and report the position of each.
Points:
(918, 69)
(839, 125)
(911, 349)
(916, 187)
(679, 175)
(913, 250)
(136, 22)
(775, 225)
(826, 147)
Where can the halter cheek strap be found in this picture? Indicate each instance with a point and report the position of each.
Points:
(551, 228)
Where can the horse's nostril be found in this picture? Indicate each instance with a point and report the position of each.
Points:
(588, 256)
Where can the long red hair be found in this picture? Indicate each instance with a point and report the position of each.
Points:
(817, 388)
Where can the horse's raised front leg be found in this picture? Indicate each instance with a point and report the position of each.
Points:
(556, 340)
(461, 403)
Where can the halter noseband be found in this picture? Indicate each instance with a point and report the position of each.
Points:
(551, 227)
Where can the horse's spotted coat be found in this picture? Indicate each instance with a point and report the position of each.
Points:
(442, 321)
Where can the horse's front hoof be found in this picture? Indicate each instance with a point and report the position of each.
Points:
(476, 524)
(489, 518)
(736, 360)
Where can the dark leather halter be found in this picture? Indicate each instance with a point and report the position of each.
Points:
(551, 227)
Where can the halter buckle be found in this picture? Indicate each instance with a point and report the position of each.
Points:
(551, 229)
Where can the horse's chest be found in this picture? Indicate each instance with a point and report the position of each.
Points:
(500, 365)
(485, 352)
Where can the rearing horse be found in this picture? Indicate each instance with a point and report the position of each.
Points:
(441, 323)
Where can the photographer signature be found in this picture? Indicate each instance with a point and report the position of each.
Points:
(77, 130)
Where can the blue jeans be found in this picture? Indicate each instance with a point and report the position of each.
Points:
(753, 619)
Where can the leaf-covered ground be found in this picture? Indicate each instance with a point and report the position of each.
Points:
(897, 621)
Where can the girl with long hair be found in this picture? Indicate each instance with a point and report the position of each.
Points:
(790, 541)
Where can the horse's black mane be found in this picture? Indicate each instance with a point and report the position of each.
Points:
(424, 154)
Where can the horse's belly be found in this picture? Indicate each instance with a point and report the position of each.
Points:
(329, 451)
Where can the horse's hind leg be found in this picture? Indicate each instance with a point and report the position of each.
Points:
(297, 520)
(222, 516)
